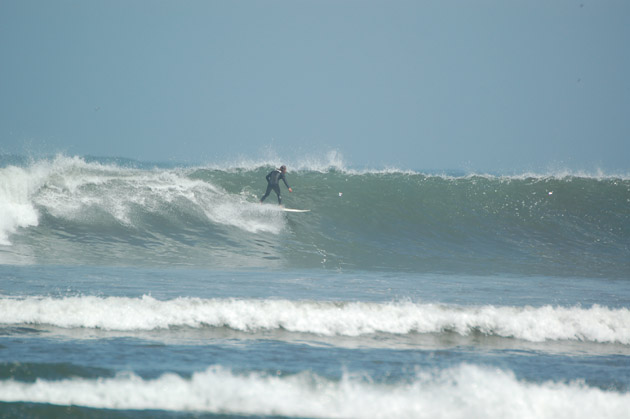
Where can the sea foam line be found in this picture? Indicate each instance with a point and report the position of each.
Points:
(536, 324)
(460, 392)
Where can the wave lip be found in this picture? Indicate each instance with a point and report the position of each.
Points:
(459, 392)
(534, 324)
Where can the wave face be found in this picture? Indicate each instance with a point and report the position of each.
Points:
(534, 324)
(70, 210)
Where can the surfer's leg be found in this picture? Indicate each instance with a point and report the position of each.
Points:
(276, 189)
(269, 187)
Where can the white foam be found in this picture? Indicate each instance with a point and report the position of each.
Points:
(535, 324)
(464, 391)
(72, 189)
(17, 186)
(234, 210)
(19, 189)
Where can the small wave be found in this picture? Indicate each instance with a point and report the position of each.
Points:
(535, 324)
(460, 392)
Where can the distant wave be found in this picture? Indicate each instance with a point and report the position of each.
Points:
(535, 324)
(73, 210)
(458, 392)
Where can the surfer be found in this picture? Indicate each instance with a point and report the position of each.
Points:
(273, 183)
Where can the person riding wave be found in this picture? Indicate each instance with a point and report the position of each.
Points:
(273, 183)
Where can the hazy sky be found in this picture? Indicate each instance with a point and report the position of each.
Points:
(473, 85)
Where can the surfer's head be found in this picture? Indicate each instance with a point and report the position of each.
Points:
(283, 168)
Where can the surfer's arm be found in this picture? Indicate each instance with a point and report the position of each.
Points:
(285, 182)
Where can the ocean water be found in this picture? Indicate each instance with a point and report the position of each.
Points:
(132, 289)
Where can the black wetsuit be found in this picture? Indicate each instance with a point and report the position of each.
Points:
(273, 183)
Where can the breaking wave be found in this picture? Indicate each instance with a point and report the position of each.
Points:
(73, 210)
(535, 324)
(459, 392)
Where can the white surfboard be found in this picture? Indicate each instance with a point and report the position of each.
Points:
(294, 210)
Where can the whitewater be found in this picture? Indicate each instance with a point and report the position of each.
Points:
(141, 289)
(598, 324)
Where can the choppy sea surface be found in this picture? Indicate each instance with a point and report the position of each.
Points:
(132, 289)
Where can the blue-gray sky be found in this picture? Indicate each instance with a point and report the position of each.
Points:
(474, 85)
